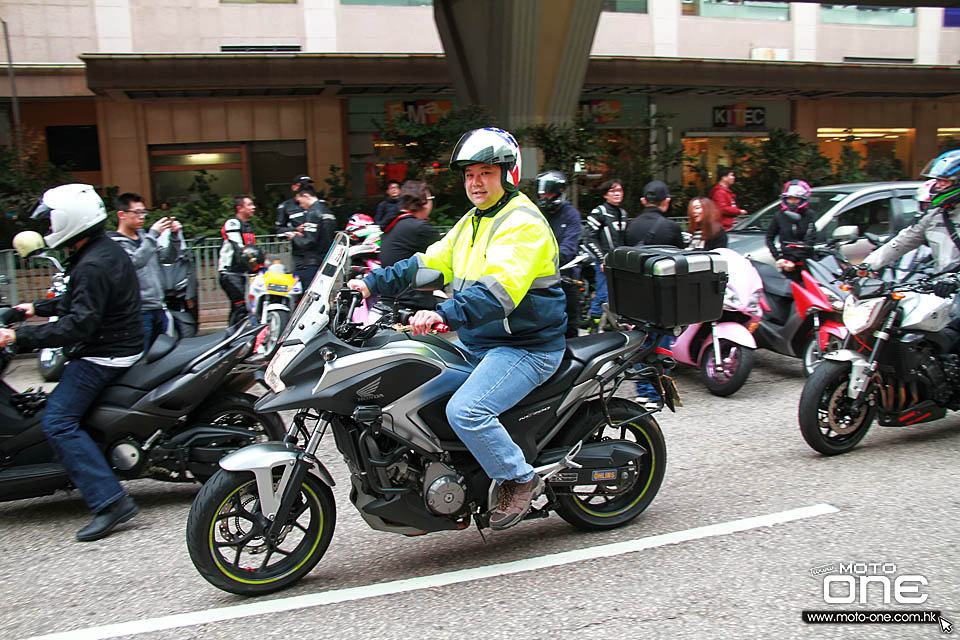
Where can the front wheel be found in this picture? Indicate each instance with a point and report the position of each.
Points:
(810, 357)
(276, 322)
(51, 364)
(601, 507)
(227, 534)
(736, 362)
(828, 421)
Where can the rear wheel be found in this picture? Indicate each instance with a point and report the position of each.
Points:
(236, 410)
(828, 421)
(600, 507)
(735, 366)
(228, 541)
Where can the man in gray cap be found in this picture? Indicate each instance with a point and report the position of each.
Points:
(289, 214)
(652, 225)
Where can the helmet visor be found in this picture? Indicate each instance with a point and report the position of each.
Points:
(40, 211)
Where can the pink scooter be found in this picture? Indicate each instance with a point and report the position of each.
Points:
(723, 350)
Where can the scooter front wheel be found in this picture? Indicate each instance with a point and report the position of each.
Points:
(810, 359)
(736, 362)
(228, 540)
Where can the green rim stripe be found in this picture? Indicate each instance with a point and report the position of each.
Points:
(267, 580)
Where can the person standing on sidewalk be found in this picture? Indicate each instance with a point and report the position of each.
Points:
(100, 327)
(312, 238)
(146, 255)
(607, 229)
(236, 261)
(725, 199)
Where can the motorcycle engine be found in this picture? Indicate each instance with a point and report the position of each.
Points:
(943, 371)
(444, 490)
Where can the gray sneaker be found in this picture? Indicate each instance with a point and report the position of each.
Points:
(515, 501)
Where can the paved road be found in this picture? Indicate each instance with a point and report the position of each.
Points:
(892, 500)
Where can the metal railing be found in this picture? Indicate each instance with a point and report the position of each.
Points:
(28, 280)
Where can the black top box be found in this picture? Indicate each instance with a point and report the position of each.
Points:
(665, 286)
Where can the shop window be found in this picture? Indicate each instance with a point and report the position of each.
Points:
(74, 148)
(745, 9)
(868, 15)
(391, 3)
(705, 153)
(625, 6)
(886, 150)
(948, 138)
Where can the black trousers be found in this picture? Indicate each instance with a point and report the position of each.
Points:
(572, 291)
(235, 285)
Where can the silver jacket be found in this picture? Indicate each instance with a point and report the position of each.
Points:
(146, 254)
(929, 229)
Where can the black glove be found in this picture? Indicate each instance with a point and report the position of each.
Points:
(945, 286)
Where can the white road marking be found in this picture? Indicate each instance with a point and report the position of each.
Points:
(439, 580)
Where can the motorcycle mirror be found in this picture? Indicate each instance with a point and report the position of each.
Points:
(428, 279)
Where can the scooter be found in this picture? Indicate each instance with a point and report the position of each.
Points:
(171, 416)
(723, 350)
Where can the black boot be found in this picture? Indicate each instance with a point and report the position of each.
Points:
(105, 521)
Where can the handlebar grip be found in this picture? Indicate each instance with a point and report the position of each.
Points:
(441, 328)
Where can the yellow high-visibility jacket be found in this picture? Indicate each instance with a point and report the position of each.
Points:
(502, 267)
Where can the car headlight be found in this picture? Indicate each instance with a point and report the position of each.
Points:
(860, 315)
(278, 363)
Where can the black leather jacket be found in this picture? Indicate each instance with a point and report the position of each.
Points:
(100, 311)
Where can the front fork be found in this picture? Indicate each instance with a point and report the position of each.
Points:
(862, 371)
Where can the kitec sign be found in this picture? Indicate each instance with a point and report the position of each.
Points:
(739, 115)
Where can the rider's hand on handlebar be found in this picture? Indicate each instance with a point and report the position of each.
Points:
(27, 308)
(785, 265)
(360, 286)
(945, 286)
(423, 320)
(7, 337)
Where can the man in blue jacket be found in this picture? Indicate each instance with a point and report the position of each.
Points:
(567, 226)
(500, 260)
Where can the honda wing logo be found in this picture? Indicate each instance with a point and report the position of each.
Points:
(369, 391)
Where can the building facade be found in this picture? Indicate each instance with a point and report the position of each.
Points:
(142, 93)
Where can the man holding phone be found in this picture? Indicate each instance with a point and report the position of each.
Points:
(146, 254)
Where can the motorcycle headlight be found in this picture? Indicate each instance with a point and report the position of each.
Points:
(730, 299)
(753, 304)
(835, 301)
(278, 363)
(860, 315)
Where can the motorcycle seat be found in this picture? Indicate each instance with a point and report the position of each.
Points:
(578, 353)
(162, 345)
(774, 282)
(148, 374)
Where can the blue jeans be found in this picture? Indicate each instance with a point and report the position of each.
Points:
(504, 376)
(154, 323)
(78, 453)
(600, 286)
(645, 388)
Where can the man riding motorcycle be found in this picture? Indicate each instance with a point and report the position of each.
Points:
(937, 227)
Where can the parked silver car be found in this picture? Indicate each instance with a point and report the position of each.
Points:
(882, 208)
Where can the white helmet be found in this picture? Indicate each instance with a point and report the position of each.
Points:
(75, 210)
(27, 243)
(490, 146)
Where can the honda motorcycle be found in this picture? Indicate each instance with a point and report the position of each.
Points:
(267, 517)
(898, 366)
(723, 350)
(171, 416)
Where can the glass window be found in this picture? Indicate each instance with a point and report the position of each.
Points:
(625, 6)
(868, 15)
(745, 9)
(869, 217)
(948, 138)
(391, 3)
(909, 208)
(75, 148)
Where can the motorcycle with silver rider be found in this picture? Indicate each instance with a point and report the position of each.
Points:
(267, 517)
(899, 365)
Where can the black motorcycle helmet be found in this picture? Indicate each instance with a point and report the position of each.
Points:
(551, 186)
(253, 258)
